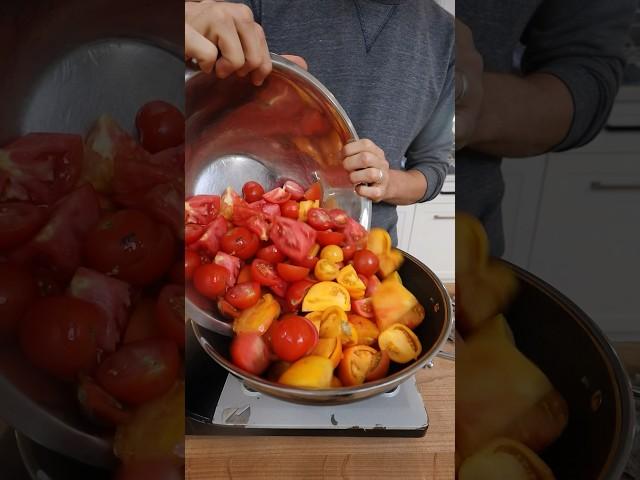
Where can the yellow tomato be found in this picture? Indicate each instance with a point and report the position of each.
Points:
(316, 318)
(330, 348)
(325, 270)
(379, 241)
(309, 372)
(331, 322)
(258, 319)
(400, 343)
(390, 262)
(367, 330)
(304, 206)
(314, 250)
(348, 278)
(333, 253)
(348, 334)
(393, 303)
(323, 295)
(394, 277)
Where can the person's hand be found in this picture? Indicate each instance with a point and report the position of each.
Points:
(469, 89)
(224, 36)
(368, 169)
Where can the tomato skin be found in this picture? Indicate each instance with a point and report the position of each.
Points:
(348, 251)
(140, 371)
(243, 295)
(240, 242)
(314, 192)
(332, 253)
(295, 190)
(250, 352)
(277, 195)
(338, 217)
(210, 280)
(191, 262)
(245, 274)
(18, 289)
(295, 294)
(291, 273)
(264, 273)
(319, 219)
(99, 406)
(290, 209)
(293, 238)
(365, 262)
(170, 313)
(293, 337)
(355, 234)
(201, 209)
(160, 126)
(227, 310)
(363, 307)
(379, 367)
(252, 191)
(271, 254)
(19, 222)
(329, 238)
(46, 340)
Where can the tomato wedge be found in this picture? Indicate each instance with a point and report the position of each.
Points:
(19, 222)
(294, 189)
(314, 192)
(201, 209)
(329, 238)
(264, 273)
(277, 195)
(293, 238)
(291, 273)
(363, 307)
(355, 234)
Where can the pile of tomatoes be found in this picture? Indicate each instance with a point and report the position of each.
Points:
(91, 271)
(315, 300)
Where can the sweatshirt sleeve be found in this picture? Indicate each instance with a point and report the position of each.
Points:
(581, 42)
(429, 152)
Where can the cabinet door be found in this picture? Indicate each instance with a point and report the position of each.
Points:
(432, 238)
(582, 246)
(405, 221)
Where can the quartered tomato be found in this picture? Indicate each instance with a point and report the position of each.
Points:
(319, 219)
(329, 238)
(240, 242)
(355, 364)
(363, 307)
(252, 191)
(243, 295)
(58, 335)
(264, 272)
(290, 209)
(259, 225)
(314, 192)
(348, 278)
(209, 239)
(160, 126)
(170, 313)
(277, 195)
(140, 371)
(19, 222)
(293, 337)
(323, 295)
(309, 372)
(271, 210)
(192, 232)
(250, 352)
(365, 262)
(99, 406)
(330, 348)
(18, 289)
(291, 273)
(393, 303)
(210, 280)
(201, 209)
(400, 343)
(367, 330)
(293, 238)
(296, 293)
(258, 318)
(191, 262)
(294, 189)
(338, 218)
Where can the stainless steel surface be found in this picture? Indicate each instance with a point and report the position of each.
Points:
(615, 186)
(70, 62)
(237, 132)
(422, 282)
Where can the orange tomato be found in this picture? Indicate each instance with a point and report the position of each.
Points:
(331, 322)
(400, 342)
(367, 330)
(348, 278)
(309, 372)
(329, 348)
(379, 366)
(393, 303)
(325, 270)
(257, 319)
(355, 364)
(323, 295)
(379, 242)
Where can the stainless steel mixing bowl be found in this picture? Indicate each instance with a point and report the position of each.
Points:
(291, 127)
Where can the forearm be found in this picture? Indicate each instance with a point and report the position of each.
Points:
(406, 187)
(522, 116)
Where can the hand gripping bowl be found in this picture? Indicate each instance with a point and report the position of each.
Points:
(289, 128)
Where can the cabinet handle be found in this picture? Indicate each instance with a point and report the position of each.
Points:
(614, 186)
(444, 217)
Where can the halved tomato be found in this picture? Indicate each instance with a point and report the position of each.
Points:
(264, 272)
(292, 273)
(295, 189)
(339, 217)
(99, 406)
(314, 192)
(245, 274)
(355, 364)
(293, 337)
(296, 293)
(243, 295)
(379, 366)
(293, 238)
(240, 242)
(319, 219)
(19, 222)
(279, 288)
(363, 307)
(160, 126)
(348, 251)
(252, 191)
(227, 310)
(400, 342)
(277, 195)
(191, 262)
(329, 238)
(210, 280)
(271, 254)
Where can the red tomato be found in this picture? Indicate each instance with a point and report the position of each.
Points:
(210, 280)
(279, 288)
(329, 238)
(372, 285)
(363, 307)
(314, 192)
(250, 352)
(293, 238)
(307, 262)
(160, 126)
(245, 274)
(319, 219)
(193, 232)
(271, 209)
(240, 242)
(277, 195)
(18, 223)
(191, 262)
(271, 254)
(252, 191)
(295, 189)
(258, 225)
(18, 289)
(293, 337)
(231, 263)
(170, 313)
(290, 209)
(58, 335)
(201, 209)
(131, 246)
(227, 310)
(295, 294)
(40, 167)
(292, 273)
(365, 262)
(348, 251)
(264, 272)
(140, 371)
(339, 217)
(209, 241)
(243, 295)
(99, 406)
(355, 234)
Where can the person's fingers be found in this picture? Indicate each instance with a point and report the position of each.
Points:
(362, 145)
(363, 160)
(232, 55)
(260, 65)
(367, 175)
(251, 47)
(375, 192)
(301, 62)
(200, 48)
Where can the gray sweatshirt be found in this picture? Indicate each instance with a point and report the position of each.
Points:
(391, 66)
(579, 41)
